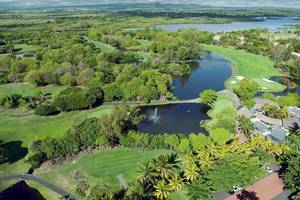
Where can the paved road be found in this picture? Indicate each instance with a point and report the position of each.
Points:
(49, 185)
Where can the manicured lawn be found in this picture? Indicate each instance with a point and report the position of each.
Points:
(100, 45)
(223, 102)
(32, 127)
(102, 167)
(25, 47)
(27, 89)
(247, 65)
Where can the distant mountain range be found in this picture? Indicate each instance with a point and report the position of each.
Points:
(27, 4)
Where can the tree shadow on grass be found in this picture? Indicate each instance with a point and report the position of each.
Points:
(15, 151)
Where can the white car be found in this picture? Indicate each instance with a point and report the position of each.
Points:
(268, 169)
(236, 188)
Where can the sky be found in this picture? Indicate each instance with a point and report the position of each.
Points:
(235, 3)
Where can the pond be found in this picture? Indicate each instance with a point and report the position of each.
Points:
(272, 24)
(210, 72)
(178, 118)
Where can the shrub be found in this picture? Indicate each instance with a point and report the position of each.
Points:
(172, 141)
(208, 97)
(184, 145)
(220, 135)
(289, 100)
(269, 96)
(157, 142)
(249, 103)
(2, 99)
(102, 140)
(71, 100)
(247, 89)
(46, 110)
(12, 101)
(198, 141)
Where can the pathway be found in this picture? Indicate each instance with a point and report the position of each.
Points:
(154, 102)
(47, 184)
(169, 102)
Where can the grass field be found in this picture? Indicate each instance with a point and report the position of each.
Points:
(223, 101)
(32, 127)
(25, 48)
(102, 167)
(100, 45)
(250, 66)
(27, 89)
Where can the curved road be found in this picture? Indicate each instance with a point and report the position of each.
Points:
(47, 184)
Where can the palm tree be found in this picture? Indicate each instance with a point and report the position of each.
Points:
(191, 172)
(165, 165)
(136, 191)
(144, 171)
(161, 190)
(188, 159)
(205, 161)
(175, 183)
(246, 126)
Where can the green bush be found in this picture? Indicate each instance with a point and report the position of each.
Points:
(269, 96)
(220, 135)
(289, 100)
(72, 101)
(46, 110)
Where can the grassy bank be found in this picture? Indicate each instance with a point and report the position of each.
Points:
(247, 65)
(102, 167)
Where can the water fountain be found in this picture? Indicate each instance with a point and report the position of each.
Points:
(154, 117)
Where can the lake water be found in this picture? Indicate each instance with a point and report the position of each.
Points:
(210, 72)
(272, 24)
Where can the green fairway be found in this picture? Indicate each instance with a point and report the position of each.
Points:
(247, 65)
(25, 47)
(102, 46)
(102, 167)
(27, 89)
(32, 127)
